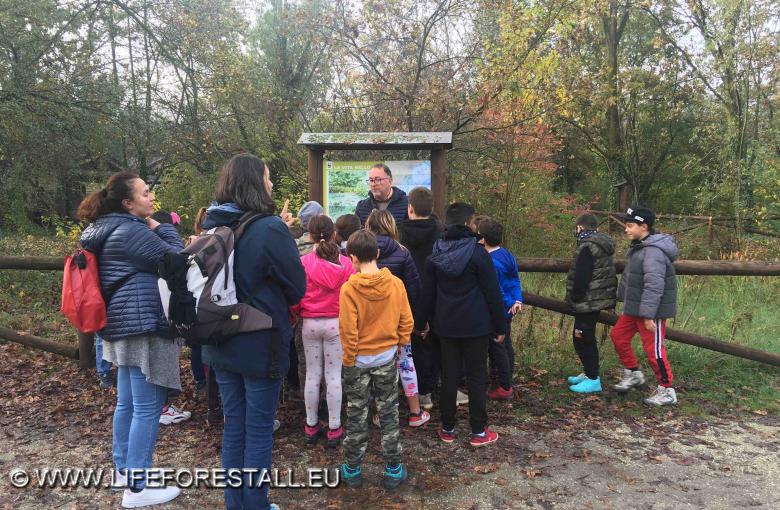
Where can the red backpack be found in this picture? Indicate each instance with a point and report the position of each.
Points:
(82, 298)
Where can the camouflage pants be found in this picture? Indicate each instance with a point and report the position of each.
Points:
(357, 384)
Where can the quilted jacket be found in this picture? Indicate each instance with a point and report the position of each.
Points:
(128, 253)
(399, 261)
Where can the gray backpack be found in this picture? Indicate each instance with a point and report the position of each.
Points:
(218, 315)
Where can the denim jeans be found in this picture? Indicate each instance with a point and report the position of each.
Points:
(249, 405)
(136, 421)
(103, 366)
(196, 363)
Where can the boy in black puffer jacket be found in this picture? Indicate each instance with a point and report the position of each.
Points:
(590, 288)
(648, 289)
(463, 301)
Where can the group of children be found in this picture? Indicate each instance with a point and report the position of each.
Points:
(410, 303)
(426, 303)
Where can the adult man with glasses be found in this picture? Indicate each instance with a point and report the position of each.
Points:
(383, 195)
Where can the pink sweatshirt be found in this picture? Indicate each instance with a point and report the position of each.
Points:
(323, 282)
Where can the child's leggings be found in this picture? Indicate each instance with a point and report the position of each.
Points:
(406, 370)
(323, 350)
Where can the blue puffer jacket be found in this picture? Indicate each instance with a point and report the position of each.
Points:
(128, 255)
(399, 261)
(269, 276)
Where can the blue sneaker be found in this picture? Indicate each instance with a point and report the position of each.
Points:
(576, 379)
(394, 476)
(352, 476)
(587, 386)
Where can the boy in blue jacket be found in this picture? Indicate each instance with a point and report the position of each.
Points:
(502, 354)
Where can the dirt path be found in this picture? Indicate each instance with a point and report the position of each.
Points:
(600, 452)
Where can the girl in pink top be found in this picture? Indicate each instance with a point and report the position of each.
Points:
(326, 271)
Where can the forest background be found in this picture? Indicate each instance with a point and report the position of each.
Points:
(552, 104)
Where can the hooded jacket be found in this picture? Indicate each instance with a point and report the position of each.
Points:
(323, 283)
(508, 278)
(398, 206)
(648, 286)
(399, 261)
(461, 297)
(269, 276)
(418, 236)
(591, 282)
(374, 315)
(128, 254)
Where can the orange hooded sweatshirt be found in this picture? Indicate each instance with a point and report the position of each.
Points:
(374, 315)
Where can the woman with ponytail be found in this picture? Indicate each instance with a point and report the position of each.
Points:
(326, 271)
(129, 244)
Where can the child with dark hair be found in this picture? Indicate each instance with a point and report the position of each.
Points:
(502, 354)
(590, 288)
(326, 271)
(374, 322)
(346, 225)
(463, 302)
(648, 289)
(418, 234)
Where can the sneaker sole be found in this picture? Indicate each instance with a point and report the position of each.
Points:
(419, 423)
(172, 421)
(448, 441)
(393, 483)
(142, 504)
(477, 445)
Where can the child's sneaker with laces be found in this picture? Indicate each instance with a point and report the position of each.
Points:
(662, 396)
(172, 415)
(419, 419)
(500, 393)
(312, 433)
(631, 379)
(425, 401)
(446, 436)
(394, 476)
(351, 475)
(487, 437)
(576, 379)
(335, 436)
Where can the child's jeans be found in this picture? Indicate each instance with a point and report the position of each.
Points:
(357, 387)
(103, 366)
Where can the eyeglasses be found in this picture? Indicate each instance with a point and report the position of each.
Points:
(376, 180)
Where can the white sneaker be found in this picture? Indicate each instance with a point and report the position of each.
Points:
(277, 425)
(426, 402)
(461, 398)
(118, 481)
(149, 496)
(631, 379)
(173, 415)
(662, 396)
(274, 506)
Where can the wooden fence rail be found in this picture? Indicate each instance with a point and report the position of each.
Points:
(526, 265)
(705, 342)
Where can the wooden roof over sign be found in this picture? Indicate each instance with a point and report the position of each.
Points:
(373, 141)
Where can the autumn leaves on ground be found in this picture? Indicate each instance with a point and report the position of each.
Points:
(555, 450)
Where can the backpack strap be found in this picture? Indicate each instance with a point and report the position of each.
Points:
(244, 221)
